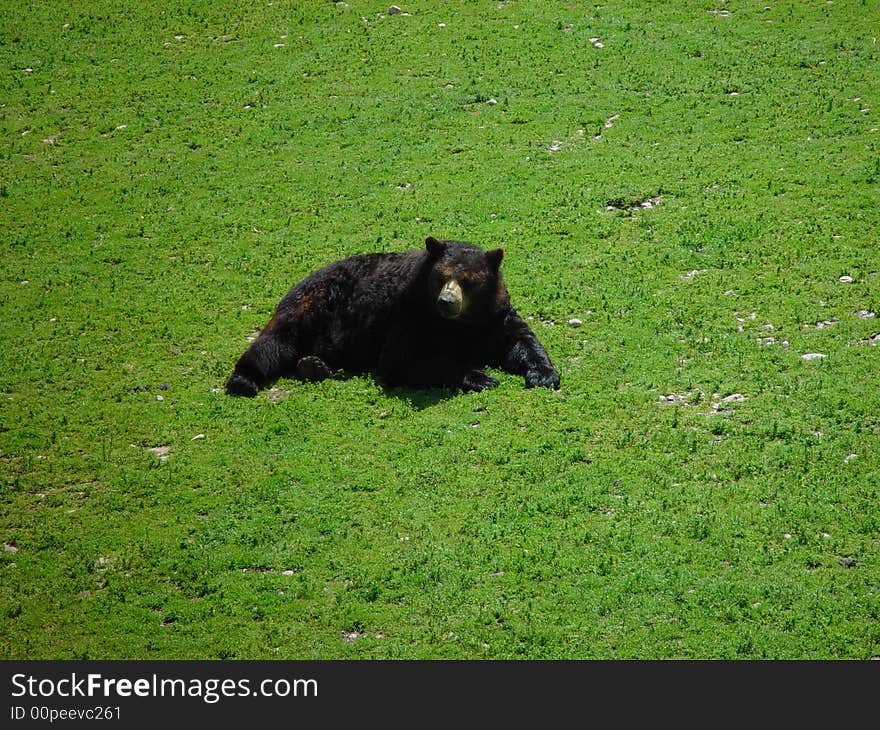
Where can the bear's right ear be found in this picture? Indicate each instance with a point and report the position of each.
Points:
(435, 247)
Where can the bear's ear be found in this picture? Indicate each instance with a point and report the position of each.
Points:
(435, 247)
(494, 257)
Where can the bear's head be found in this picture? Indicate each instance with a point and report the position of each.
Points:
(464, 282)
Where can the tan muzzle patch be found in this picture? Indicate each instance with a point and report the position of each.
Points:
(450, 302)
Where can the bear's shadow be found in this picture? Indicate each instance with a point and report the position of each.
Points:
(420, 399)
(415, 397)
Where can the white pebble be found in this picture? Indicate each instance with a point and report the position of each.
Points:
(813, 356)
(845, 280)
(198, 437)
(574, 323)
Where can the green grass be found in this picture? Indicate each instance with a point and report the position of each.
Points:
(167, 172)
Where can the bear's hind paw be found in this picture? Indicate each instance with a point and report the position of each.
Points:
(240, 385)
(312, 369)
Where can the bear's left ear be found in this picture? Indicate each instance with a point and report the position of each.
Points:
(494, 257)
(435, 247)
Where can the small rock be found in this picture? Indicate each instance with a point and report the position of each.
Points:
(847, 562)
(672, 398)
(276, 394)
(766, 340)
(492, 102)
(160, 452)
(574, 323)
(845, 280)
(734, 398)
(9, 547)
(198, 437)
(849, 458)
(813, 356)
(287, 572)
(160, 398)
(350, 636)
(865, 314)
(394, 10)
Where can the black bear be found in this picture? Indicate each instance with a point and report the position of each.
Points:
(421, 319)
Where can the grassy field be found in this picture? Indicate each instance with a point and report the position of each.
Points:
(698, 183)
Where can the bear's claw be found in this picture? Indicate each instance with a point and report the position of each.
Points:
(543, 378)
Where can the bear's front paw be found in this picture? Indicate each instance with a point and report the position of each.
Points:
(240, 385)
(477, 380)
(543, 377)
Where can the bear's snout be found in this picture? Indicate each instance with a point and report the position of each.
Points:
(450, 303)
